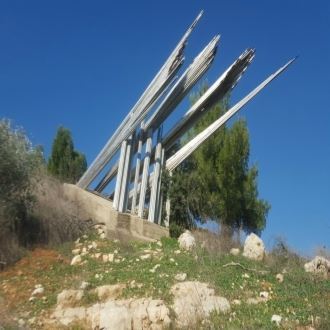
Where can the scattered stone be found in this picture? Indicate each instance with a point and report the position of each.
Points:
(84, 285)
(159, 243)
(145, 256)
(116, 241)
(254, 248)
(31, 299)
(31, 320)
(279, 278)
(76, 260)
(21, 323)
(111, 257)
(187, 241)
(102, 236)
(97, 255)
(38, 290)
(117, 261)
(195, 301)
(153, 270)
(319, 265)
(19, 273)
(109, 291)
(180, 277)
(68, 298)
(75, 251)
(235, 251)
(264, 295)
(85, 237)
(77, 241)
(245, 275)
(276, 319)
(236, 302)
(255, 301)
(100, 231)
(172, 260)
(177, 252)
(105, 258)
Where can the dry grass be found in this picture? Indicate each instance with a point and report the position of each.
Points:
(51, 220)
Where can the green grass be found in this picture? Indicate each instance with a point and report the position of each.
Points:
(300, 297)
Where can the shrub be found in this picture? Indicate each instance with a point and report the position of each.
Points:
(33, 208)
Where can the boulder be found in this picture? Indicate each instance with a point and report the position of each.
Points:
(319, 265)
(194, 301)
(254, 248)
(143, 313)
(76, 260)
(187, 241)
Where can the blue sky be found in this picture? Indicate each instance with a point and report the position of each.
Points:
(83, 64)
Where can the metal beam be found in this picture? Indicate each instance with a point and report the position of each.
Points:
(193, 144)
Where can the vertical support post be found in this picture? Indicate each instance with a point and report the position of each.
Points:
(119, 175)
(145, 174)
(137, 171)
(155, 180)
(160, 196)
(168, 209)
(122, 206)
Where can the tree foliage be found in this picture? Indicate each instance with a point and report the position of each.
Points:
(65, 162)
(216, 182)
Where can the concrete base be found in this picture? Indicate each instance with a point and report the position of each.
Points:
(122, 226)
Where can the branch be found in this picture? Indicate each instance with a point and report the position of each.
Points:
(245, 268)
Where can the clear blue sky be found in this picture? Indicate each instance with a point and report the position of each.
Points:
(83, 64)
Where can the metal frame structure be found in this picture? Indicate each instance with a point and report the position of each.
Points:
(138, 189)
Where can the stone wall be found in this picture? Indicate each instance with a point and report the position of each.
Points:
(119, 225)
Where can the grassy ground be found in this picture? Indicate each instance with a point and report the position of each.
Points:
(301, 299)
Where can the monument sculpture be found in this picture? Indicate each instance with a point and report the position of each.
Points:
(137, 162)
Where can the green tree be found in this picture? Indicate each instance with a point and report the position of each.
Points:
(216, 182)
(65, 162)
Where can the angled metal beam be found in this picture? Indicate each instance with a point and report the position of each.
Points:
(143, 105)
(193, 144)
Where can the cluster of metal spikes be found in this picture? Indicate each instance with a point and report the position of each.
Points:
(159, 100)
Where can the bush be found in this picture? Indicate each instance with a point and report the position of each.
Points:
(32, 207)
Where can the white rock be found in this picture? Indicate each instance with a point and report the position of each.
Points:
(177, 252)
(236, 302)
(84, 285)
(153, 270)
(245, 275)
(145, 256)
(97, 255)
(105, 258)
(102, 236)
(195, 301)
(180, 277)
(32, 299)
(38, 291)
(111, 257)
(21, 323)
(319, 265)
(280, 278)
(254, 248)
(264, 295)
(85, 237)
(172, 260)
(159, 243)
(276, 319)
(76, 260)
(187, 241)
(143, 313)
(75, 251)
(100, 231)
(235, 251)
